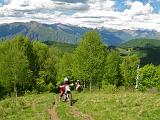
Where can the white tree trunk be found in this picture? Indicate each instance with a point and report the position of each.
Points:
(15, 87)
(90, 85)
(137, 78)
(84, 84)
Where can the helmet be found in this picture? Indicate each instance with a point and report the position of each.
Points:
(65, 79)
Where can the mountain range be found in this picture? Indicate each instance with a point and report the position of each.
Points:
(71, 34)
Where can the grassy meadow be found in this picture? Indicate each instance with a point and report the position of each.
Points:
(29, 107)
(118, 105)
(121, 106)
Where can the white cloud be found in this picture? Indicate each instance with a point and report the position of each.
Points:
(28, 4)
(93, 13)
(101, 4)
(138, 8)
(128, 2)
(137, 16)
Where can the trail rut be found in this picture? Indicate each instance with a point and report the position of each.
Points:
(52, 110)
(79, 114)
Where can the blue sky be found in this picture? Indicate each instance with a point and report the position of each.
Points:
(117, 14)
(121, 6)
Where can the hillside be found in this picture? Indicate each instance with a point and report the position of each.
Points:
(37, 31)
(69, 33)
(64, 47)
(28, 107)
(141, 43)
(117, 105)
(147, 49)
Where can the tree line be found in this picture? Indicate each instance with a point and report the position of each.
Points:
(27, 65)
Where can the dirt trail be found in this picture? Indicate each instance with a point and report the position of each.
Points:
(52, 110)
(75, 111)
(80, 114)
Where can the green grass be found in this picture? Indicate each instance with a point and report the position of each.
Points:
(142, 42)
(122, 51)
(64, 112)
(30, 107)
(64, 47)
(120, 105)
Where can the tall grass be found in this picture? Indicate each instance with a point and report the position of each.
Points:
(120, 105)
(64, 112)
(30, 107)
(100, 105)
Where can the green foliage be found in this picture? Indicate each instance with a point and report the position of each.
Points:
(50, 87)
(55, 55)
(112, 73)
(64, 47)
(129, 70)
(64, 67)
(45, 66)
(41, 52)
(150, 76)
(14, 70)
(88, 58)
(24, 44)
(145, 43)
(27, 65)
(109, 88)
(40, 85)
(148, 50)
